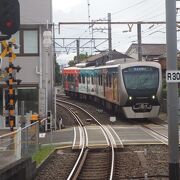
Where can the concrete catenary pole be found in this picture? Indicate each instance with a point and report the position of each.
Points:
(109, 32)
(109, 36)
(78, 55)
(172, 91)
(139, 41)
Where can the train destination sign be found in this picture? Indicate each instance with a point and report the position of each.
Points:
(172, 76)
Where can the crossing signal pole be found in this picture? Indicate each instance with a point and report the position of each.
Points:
(11, 83)
(9, 24)
(11, 92)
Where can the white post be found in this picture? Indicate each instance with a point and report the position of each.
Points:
(55, 107)
(18, 144)
(46, 81)
(47, 35)
(40, 58)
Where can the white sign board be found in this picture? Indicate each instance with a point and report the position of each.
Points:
(42, 135)
(172, 76)
(112, 119)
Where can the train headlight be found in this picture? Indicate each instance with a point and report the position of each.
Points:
(153, 96)
(130, 98)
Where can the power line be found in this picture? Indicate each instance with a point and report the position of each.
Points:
(136, 4)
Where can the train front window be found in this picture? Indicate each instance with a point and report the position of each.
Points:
(141, 80)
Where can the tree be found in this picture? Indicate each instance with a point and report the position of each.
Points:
(71, 63)
(58, 77)
(81, 58)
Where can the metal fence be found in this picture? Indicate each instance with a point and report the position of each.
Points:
(30, 139)
(23, 142)
(10, 147)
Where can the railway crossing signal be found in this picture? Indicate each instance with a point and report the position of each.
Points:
(9, 17)
(11, 97)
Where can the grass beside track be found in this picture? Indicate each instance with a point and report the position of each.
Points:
(42, 154)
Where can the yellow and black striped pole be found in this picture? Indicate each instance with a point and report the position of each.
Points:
(11, 82)
(11, 91)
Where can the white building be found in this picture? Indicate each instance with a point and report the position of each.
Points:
(31, 57)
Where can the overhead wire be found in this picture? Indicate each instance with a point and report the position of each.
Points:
(133, 5)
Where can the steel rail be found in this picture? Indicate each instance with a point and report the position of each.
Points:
(105, 132)
(84, 151)
(158, 135)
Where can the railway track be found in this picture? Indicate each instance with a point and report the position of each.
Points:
(142, 149)
(82, 158)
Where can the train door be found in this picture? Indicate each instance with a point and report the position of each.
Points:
(104, 84)
(96, 82)
(114, 86)
(87, 83)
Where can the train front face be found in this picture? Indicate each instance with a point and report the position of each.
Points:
(143, 87)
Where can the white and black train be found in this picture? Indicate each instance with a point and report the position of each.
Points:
(133, 88)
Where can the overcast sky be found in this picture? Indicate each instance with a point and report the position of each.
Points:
(129, 10)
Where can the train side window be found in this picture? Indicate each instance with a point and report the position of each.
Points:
(83, 79)
(107, 77)
(79, 78)
(98, 80)
(72, 78)
(101, 80)
(110, 80)
(87, 79)
(92, 79)
(68, 77)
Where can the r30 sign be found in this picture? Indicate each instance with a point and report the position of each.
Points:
(172, 76)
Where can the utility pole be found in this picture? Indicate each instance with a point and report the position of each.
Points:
(109, 32)
(109, 36)
(139, 41)
(78, 57)
(172, 91)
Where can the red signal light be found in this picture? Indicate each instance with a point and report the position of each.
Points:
(9, 24)
(9, 17)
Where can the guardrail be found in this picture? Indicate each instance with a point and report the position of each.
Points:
(23, 142)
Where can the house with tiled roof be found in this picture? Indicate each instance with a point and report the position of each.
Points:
(102, 58)
(149, 51)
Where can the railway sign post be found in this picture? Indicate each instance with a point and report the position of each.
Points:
(172, 76)
(172, 90)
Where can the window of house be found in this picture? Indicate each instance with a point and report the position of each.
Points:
(30, 44)
(27, 41)
(30, 98)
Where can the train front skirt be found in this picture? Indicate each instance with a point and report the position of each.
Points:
(130, 113)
